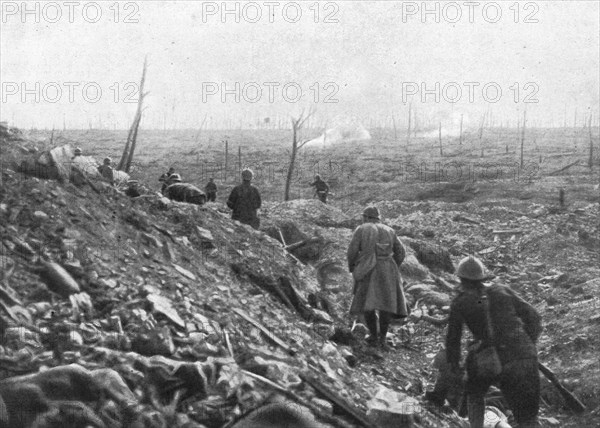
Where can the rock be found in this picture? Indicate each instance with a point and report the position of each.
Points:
(206, 237)
(163, 306)
(411, 268)
(58, 279)
(324, 405)
(392, 409)
(184, 272)
(151, 240)
(40, 216)
(322, 316)
(154, 342)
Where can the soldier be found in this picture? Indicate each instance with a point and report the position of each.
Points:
(321, 188)
(77, 152)
(164, 179)
(211, 190)
(106, 171)
(374, 256)
(244, 200)
(133, 190)
(515, 327)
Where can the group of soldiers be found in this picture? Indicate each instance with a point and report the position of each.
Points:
(498, 318)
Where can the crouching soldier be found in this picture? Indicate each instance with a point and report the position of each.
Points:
(164, 179)
(106, 171)
(496, 316)
(184, 192)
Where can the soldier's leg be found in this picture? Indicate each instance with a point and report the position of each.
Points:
(384, 324)
(371, 320)
(475, 389)
(520, 385)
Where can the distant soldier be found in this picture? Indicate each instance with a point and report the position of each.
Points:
(106, 171)
(374, 256)
(211, 190)
(515, 327)
(133, 189)
(164, 179)
(244, 200)
(321, 188)
(184, 192)
(77, 152)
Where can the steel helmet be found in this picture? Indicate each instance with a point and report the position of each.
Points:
(317, 177)
(247, 174)
(78, 151)
(472, 268)
(371, 212)
(107, 160)
(176, 178)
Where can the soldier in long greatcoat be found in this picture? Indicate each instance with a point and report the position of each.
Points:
(374, 256)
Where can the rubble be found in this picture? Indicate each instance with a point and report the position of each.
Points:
(172, 315)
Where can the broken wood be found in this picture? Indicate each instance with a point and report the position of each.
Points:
(286, 392)
(442, 283)
(299, 244)
(507, 232)
(269, 334)
(356, 414)
(572, 401)
(564, 168)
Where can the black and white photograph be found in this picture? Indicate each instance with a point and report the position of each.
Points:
(300, 214)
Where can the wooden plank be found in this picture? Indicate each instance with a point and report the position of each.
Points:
(269, 334)
(356, 414)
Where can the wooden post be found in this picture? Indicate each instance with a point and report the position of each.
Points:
(590, 158)
(523, 135)
(409, 119)
(561, 197)
(226, 158)
(440, 138)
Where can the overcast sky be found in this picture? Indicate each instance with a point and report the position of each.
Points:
(358, 53)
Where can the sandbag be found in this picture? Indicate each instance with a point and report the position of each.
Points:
(185, 192)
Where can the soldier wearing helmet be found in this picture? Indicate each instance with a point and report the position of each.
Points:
(374, 255)
(245, 200)
(321, 188)
(106, 171)
(164, 179)
(515, 327)
(78, 151)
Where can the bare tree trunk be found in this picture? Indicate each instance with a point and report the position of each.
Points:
(297, 124)
(460, 136)
(523, 135)
(395, 130)
(240, 159)
(127, 156)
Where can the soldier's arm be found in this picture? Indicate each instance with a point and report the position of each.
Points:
(231, 201)
(399, 251)
(453, 337)
(354, 249)
(258, 200)
(531, 319)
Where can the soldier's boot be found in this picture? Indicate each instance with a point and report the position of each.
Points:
(532, 423)
(384, 323)
(476, 404)
(371, 320)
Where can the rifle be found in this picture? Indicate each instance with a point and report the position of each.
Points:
(572, 401)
